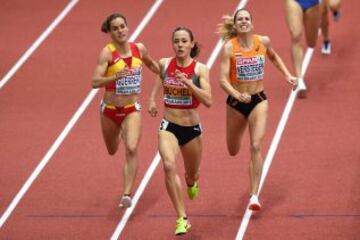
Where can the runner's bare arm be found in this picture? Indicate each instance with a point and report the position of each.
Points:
(149, 62)
(99, 78)
(277, 61)
(156, 90)
(202, 93)
(225, 75)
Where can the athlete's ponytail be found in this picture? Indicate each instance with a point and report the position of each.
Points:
(226, 29)
(105, 27)
(195, 51)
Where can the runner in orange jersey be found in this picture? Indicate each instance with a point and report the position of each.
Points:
(242, 77)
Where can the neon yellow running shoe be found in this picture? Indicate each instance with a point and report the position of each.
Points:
(193, 191)
(182, 226)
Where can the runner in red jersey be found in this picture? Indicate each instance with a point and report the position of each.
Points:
(176, 94)
(119, 70)
(186, 84)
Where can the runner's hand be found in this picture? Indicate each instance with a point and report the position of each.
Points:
(152, 108)
(244, 97)
(293, 81)
(182, 77)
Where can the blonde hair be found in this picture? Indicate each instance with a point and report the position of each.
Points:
(226, 28)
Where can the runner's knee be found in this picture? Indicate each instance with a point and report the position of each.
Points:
(169, 167)
(296, 39)
(255, 147)
(295, 36)
(131, 148)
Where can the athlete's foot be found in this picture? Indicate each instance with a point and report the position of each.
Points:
(125, 201)
(326, 48)
(193, 191)
(254, 203)
(182, 226)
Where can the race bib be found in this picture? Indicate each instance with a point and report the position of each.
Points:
(250, 69)
(131, 84)
(176, 93)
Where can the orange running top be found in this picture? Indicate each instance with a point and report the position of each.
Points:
(247, 65)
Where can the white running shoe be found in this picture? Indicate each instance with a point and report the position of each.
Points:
(125, 202)
(301, 85)
(301, 88)
(254, 203)
(326, 48)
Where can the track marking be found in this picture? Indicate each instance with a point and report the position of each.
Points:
(120, 227)
(275, 143)
(37, 43)
(68, 128)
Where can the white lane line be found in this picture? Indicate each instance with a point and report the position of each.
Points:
(46, 159)
(146, 20)
(66, 130)
(120, 227)
(275, 143)
(37, 43)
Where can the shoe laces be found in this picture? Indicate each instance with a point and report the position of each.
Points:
(180, 221)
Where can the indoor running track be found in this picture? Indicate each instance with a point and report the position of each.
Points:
(311, 190)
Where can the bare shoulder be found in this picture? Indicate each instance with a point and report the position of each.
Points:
(227, 49)
(201, 66)
(105, 54)
(141, 48)
(163, 61)
(264, 40)
(228, 46)
(201, 69)
(140, 45)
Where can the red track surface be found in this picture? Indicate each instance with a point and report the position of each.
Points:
(311, 191)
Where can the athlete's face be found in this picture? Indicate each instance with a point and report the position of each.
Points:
(243, 22)
(119, 30)
(182, 44)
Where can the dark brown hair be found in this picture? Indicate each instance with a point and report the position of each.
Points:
(196, 49)
(105, 27)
